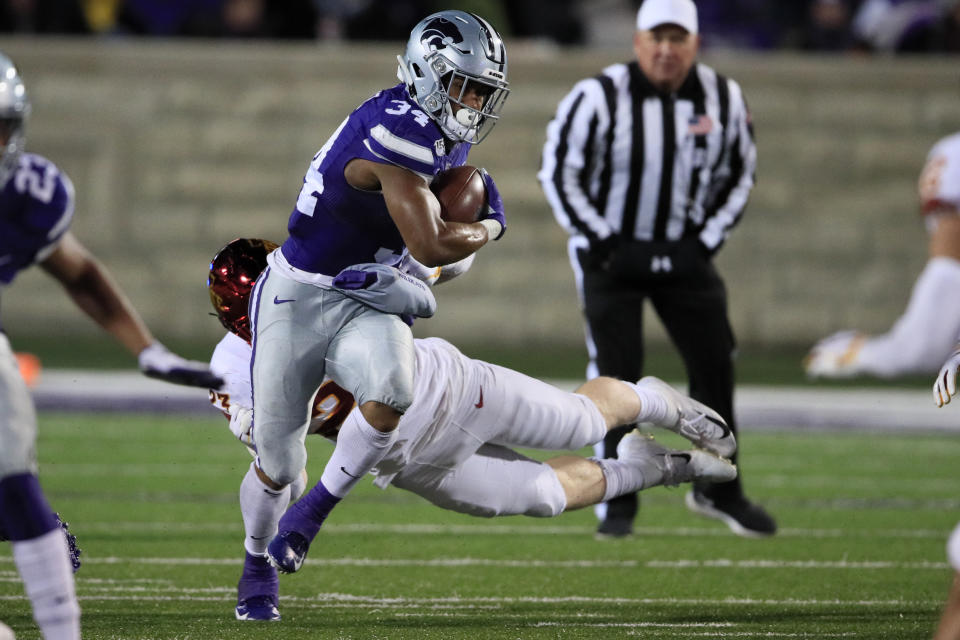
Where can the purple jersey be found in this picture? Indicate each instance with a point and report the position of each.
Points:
(36, 208)
(335, 225)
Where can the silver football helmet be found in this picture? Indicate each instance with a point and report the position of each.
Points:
(14, 109)
(450, 54)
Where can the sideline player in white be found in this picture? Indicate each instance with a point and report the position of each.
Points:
(944, 389)
(923, 336)
(36, 209)
(454, 442)
(329, 303)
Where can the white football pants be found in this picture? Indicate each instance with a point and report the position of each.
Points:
(925, 335)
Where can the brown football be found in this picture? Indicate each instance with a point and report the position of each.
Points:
(461, 193)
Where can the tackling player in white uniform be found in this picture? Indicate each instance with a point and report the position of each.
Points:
(924, 335)
(454, 443)
(36, 209)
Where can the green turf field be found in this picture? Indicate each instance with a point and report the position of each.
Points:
(153, 501)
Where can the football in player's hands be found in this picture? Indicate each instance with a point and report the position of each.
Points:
(461, 192)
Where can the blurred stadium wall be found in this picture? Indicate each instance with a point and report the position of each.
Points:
(175, 148)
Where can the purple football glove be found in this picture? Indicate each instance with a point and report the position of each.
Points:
(494, 205)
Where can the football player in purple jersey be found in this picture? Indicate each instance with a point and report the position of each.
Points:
(330, 302)
(36, 208)
(456, 441)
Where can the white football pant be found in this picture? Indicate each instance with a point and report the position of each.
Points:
(926, 333)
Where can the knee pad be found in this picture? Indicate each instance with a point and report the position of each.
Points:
(282, 464)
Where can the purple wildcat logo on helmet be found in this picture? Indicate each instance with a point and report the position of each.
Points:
(441, 33)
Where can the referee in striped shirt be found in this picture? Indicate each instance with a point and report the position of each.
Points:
(648, 166)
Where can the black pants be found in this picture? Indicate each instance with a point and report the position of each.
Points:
(691, 302)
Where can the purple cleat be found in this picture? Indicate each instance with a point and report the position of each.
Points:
(298, 527)
(258, 590)
(258, 608)
(287, 551)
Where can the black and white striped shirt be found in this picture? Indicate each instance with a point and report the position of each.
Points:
(603, 162)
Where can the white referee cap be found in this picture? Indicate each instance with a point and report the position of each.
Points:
(654, 13)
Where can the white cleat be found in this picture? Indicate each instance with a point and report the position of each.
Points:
(835, 356)
(693, 420)
(676, 466)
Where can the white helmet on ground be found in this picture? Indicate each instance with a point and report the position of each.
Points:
(449, 46)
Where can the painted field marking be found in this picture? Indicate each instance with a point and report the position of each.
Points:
(753, 634)
(720, 563)
(514, 530)
(341, 600)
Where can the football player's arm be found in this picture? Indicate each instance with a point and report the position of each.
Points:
(92, 288)
(416, 212)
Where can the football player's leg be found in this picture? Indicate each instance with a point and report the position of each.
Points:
(258, 591)
(495, 481)
(923, 337)
(641, 463)
(289, 349)
(520, 411)
(39, 546)
(371, 356)
(653, 401)
(261, 507)
(287, 366)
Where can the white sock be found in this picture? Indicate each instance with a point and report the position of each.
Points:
(923, 337)
(44, 565)
(653, 406)
(261, 507)
(359, 448)
(627, 477)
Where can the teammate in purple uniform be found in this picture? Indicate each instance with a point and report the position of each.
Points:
(36, 208)
(330, 301)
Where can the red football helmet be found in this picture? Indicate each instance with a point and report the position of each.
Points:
(232, 273)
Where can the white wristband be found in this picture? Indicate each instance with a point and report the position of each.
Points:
(494, 228)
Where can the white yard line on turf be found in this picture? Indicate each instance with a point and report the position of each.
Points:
(515, 530)
(721, 563)
(341, 600)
